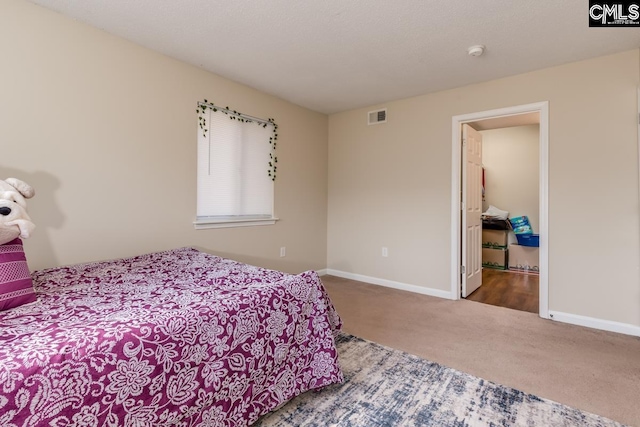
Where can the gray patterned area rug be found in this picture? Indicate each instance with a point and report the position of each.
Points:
(386, 387)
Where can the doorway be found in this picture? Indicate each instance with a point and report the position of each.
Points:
(510, 167)
(494, 119)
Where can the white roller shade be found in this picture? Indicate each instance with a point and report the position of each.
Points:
(233, 165)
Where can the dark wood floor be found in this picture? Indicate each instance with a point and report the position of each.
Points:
(518, 291)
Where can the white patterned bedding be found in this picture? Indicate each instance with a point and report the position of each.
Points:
(175, 338)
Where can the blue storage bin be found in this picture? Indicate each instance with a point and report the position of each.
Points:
(528, 239)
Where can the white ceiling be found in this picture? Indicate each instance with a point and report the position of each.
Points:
(336, 55)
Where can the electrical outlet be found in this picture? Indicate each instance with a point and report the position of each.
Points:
(385, 252)
(283, 252)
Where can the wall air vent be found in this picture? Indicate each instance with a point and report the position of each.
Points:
(377, 117)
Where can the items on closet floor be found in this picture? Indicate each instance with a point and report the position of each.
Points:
(524, 255)
(495, 251)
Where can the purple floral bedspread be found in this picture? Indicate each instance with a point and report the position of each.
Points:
(175, 338)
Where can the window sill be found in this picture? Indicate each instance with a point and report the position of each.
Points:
(203, 224)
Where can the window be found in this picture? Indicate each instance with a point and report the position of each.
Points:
(236, 169)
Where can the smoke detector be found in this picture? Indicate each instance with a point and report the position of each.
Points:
(476, 50)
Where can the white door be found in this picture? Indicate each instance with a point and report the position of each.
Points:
(471, 210)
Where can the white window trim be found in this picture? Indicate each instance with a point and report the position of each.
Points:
(205, 223)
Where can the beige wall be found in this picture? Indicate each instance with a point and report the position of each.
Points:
(105, 130)
(510, 157)
(390, 184)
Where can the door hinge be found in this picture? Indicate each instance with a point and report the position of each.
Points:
(461, 206)
(462, 269)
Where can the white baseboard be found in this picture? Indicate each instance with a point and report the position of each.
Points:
(591, 322)
(390, 284)
(322, 272)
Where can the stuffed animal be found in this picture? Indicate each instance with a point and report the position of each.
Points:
(16, 285)
(14, 220)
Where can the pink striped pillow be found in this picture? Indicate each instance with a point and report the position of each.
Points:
(16, 287)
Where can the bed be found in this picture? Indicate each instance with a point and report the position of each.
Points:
(173, 338)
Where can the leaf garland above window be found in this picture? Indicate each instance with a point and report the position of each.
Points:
(235, 115)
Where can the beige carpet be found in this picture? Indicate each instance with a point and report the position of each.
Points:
(588, 369)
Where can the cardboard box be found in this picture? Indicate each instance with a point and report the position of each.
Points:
(495, 238)
(495, 258)
(524, 258)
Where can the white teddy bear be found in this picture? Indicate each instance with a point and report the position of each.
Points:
(14, 220)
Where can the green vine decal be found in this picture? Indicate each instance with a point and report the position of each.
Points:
(272, 140)
(235, 115)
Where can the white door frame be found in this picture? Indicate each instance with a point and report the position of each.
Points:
(456, 152)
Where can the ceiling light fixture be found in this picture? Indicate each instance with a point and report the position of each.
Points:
(476, 50)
